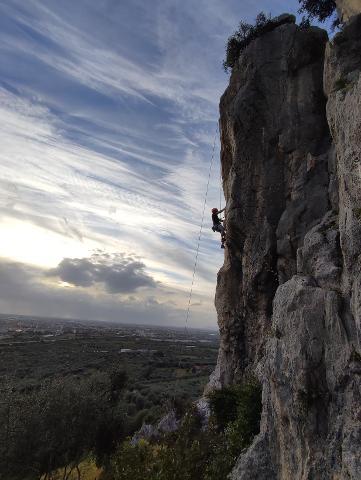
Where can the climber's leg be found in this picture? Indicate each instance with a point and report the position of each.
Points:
(223, 235)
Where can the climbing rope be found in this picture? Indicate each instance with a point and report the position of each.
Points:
(201, 230)
(176, 385)
(220, 186)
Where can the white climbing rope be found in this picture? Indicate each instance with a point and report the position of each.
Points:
(200, 230)
(176, 385)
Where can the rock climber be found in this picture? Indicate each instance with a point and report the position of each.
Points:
(217, 224)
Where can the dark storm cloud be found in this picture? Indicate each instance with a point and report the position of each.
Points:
(118, 274)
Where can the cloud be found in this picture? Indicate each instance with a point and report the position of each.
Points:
(118, 273)
(88, 197)
(27, 290)
(110, 109)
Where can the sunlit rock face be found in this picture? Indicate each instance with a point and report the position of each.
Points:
(348, 8)
(289, 293)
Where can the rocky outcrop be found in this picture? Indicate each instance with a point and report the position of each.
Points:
(288, 295)
(311, 424)
(275, 154)
(343, 88)
(167, 424)
(348, 8)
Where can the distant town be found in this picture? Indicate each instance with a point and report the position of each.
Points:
(19, 328)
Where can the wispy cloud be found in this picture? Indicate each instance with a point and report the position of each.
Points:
(108, 112)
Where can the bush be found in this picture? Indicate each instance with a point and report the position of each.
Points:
(237, 411)
(136, 462)
(340, 84)
(314, 9)
(194, 453)
(181, 455)
(51, 427)
(237, 403)
(249, 407)
(223, 405)
(305, 23)
(245, 34)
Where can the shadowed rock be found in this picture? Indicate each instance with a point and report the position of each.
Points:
(288, 295)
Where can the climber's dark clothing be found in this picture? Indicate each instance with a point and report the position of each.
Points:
(215, 219)
(219, 228)
(217, 225)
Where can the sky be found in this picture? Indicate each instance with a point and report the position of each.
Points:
(108, 115)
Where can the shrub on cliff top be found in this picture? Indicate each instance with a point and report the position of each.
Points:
(314, 9)
(245, 34)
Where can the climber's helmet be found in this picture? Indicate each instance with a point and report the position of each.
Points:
(214, 210)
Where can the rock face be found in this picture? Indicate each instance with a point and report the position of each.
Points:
(348, 8)
(275, 154)
(167, 424)
(288, 295)
(343, 87)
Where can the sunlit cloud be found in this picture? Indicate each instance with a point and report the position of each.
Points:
(108, 113)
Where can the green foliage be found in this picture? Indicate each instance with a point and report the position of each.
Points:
(245, 34)
(135, 462)
(240, 404)
(180, 456)
(249, 406)
(90, 406)
(305, 23)
(340, 84)
(195, 453)
(237, 411)
(357, 212)
(223, 405)
(57, 424)
(317, 9)
(355, 356)
(314, 9)
(118, 381)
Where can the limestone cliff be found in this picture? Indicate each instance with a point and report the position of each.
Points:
(288, 295)
(348, 8)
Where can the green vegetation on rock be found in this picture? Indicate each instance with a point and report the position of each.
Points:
(193, 452)
(319, 10)
(242, 37)
(70, 399)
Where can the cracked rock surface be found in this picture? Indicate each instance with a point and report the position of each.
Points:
(288, 295)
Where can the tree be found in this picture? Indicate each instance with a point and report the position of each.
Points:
(58, 424)
(317, 9)
(242, 37)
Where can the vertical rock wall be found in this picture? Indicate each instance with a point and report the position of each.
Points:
(288, 295)
(275, 153)
(343, 87)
